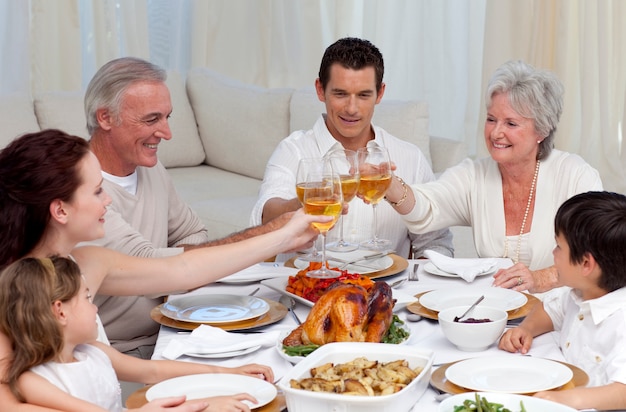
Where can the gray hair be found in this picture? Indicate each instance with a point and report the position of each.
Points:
(107, 87)
(534, 94)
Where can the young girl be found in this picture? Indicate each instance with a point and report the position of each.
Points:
(47, 313)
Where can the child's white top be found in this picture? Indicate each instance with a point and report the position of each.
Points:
(592, 332)
(91, 378)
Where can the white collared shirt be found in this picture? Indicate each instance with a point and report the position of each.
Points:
(592, 332)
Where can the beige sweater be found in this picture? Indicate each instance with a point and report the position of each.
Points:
(149, 224)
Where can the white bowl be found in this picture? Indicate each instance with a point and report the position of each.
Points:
(473, 337)
(299, 400)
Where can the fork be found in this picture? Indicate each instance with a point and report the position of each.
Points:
(378, 255)
(413, 274)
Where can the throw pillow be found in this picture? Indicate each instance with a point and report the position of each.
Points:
(62, 110)
(16, 117)
(185, 147)
(239, 124)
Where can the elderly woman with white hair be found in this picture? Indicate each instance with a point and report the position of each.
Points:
(510, 198)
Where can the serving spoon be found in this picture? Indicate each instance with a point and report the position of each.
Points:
(291, 304)
(458, 318)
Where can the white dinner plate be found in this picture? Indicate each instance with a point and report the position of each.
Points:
(434, 270)
(509, 374)
(214, 308)
(502, 298)
(214, 384)
(508, 400)
(224, 354)
(279, 285)
(362, 267)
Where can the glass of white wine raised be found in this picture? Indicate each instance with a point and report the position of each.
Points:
(323, 196)
(375, 171)
(306, 165)
(345, 163)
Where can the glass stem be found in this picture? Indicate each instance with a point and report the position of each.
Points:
(325, 262)
(375, 225)
(315, 253)
(341, 242)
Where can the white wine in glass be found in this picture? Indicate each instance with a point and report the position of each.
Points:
(322, 196)
(375, 170)
(305, 165)
(345, 163)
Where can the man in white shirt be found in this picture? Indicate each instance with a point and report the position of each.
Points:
(350, 84)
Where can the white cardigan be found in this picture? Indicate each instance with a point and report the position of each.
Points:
(470, 194)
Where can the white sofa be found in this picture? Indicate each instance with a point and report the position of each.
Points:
(223, 134)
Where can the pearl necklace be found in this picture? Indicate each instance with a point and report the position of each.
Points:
(521, 231)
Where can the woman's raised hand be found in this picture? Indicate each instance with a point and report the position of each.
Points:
(299, 231)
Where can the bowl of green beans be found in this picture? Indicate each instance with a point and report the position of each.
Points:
(499, 402)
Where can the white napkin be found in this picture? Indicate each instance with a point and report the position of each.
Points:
(467, 269)
(259, 271)
(208, 339)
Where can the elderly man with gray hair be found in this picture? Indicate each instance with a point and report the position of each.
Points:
(127, 105)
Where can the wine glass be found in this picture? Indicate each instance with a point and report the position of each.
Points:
(345, 163)
(375, 170)
(305, 165)
(322, 196)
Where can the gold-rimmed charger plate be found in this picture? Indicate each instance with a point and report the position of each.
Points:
(399, 264)
(276, 313)
(138, 398)
(418, 309)
(438, 379)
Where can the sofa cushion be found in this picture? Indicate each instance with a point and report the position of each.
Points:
(406, 119)
(16, 117)
(185, 147)
(239, 124)
(62, 110)
(223, 200)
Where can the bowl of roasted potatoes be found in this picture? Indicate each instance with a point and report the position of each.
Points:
(358, 376)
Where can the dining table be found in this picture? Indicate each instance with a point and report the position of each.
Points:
(424, 334)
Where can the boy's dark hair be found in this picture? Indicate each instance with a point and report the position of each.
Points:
(595, 223)
(352, 53)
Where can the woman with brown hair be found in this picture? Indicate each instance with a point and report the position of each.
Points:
(51, 199)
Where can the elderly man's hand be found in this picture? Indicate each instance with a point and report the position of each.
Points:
(279, 221)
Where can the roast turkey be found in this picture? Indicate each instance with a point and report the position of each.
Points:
(346, 313)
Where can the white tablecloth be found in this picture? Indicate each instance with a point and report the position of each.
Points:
(424, 334)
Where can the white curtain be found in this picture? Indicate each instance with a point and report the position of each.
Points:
(14, 48)
(440, 51)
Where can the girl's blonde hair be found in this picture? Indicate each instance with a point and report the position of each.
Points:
(28, 288)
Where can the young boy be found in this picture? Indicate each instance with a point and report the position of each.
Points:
(590, 258)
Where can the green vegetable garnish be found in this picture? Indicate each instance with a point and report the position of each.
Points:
(395, 333)
(301, 350)
(482, 405)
